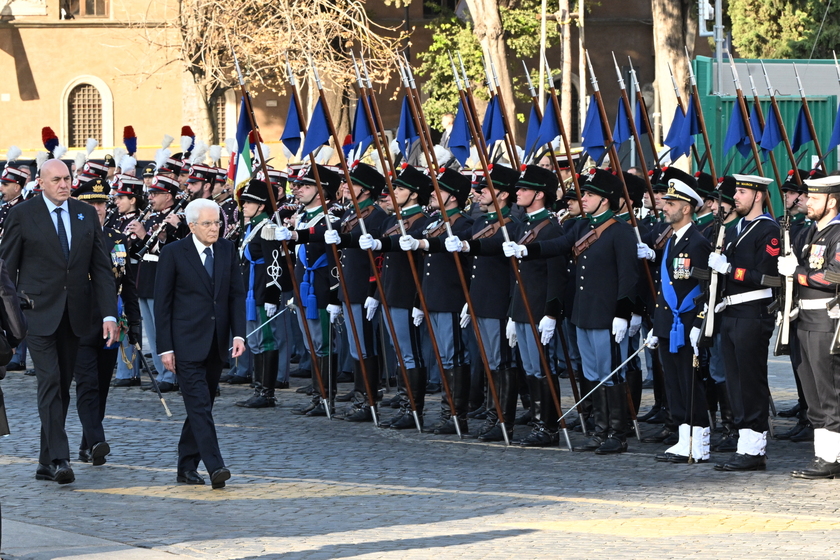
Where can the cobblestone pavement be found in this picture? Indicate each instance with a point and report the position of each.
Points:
(316, 489)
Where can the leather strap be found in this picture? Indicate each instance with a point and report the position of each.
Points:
(490, 230)
(531, 235)
(591, 237)
(347, 227)
(663, 238)
(409, 222)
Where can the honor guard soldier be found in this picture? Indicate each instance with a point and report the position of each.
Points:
(263, 293)
(445, 296)
(412, 189)
(314, 273)
(95, 362)
(605, 285)
(751, 251)
(152, 235)
(676, 324)
(12, 181)
(704, 218)
(491, 283)
(816, 275)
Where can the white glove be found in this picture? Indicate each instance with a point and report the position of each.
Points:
(694, 336)
(619, 328)
(367, 241)
(281, 233)
(453, 244)
(644, 252)
(408, 243)
(270, 309)
(512, 249)
(635, 325)
(546, 327)
(334, 311)
(269, 232)
(787, 265)
(719, 263)
(331, 237)
(651, 341)
(416, 316)
(371, 305)
(465, 316)
(510, 332)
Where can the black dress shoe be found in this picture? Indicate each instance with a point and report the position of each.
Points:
(790, 433)
(302, 410)
(218, 477)
(301, 374)
(98, 453)
(649, 414)
(790, 412)
(647, 384)
(14, 366)
(344, 377)
(281, 384)
(320, 410)
(671, 439)
(189, 477)
(257, 401)
(727, 444)
(432, 388)
(743, 462)
(305, 390)
(84, 455)
(659, 436)
(611, 446)
(523, 420)
(130, 382)
(166, 387)
(805, 434)
(226, 378)
(666, 457)
(239, 380)
(405, 422)
(346, 397)
(592, 444)
(683, 460)
(393, 402)
(359, 414)
(660, 417)
(63, 472)
(479, 414)
(45, 472)
(818, 469)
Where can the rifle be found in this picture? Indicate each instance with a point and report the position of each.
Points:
(426, 145)
(476, 133)
(376, 125)
(708, 327)
(153, 235)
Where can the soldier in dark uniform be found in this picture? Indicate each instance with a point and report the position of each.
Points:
(704, 218)
(412, 189)
(94, 361)
(444, 295)
(155, 233)
(491, 286)
(263, 293)
(313, 270)
(752, 249)
(605, 288)
(816, 272)
(676, 326)
(12, 181)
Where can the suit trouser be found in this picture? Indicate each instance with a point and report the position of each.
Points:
(819, 373)
(571, 337)
(147, 310)
(447, 328)
(93, 371)
(318, 330)
(54, 357)
(409, 338)
(679, 374)
(365, 329)
(198, 381)
(744, 346)
(600, 355)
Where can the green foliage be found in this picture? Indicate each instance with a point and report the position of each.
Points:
(783, 28)
(450, 35)
(522, 28)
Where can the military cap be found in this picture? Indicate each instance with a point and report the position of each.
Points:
(415, 180)
(165, 185)
(368, 178)
(93, 189)
(504, 178)
(456, 184)
(13, 174)
(636, 187)
(330, 180)
(754, 182)
(603, 183)
(255, 191)
(678, 190)
(536, 178)
(705, 184)
(825, 185)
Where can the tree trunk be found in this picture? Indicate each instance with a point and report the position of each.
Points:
(674, 28)
(195, 109)
(566, 85)
(488, 30)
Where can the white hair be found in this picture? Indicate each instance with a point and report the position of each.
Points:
(195, 207)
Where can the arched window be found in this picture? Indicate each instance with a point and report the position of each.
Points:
(84, 115)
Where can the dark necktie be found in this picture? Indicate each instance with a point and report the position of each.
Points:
(208, 261)
(62, 234)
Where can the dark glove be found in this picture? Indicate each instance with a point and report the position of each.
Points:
(135, 334)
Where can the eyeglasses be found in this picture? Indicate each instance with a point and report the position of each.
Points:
(209, 223)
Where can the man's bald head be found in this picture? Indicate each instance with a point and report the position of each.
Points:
(54, 180)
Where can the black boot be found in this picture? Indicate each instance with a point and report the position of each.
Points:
(258, 400)
(460, 388)
(329, 389)
(728, 442)
(417, 382)
(545, 432)
(361, 411)
(532, 415)
(618, 414)
(600, 420)
(524, 390)
(490, 416)
(323, 363)
(508, 389)
(634, 381)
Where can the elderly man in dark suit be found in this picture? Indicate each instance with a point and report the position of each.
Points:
(199, 302)
(54, 250)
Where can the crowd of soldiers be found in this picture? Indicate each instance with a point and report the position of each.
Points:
(489, 289)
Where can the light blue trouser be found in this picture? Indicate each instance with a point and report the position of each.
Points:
(364, 328)
(499, 353)
(20, 353)
(317, 330)
(571, 337)
(716, 367)
(600, 354)
(127, 352)
(452, 347)
(147, 311)
(409, 337)
(529, 352)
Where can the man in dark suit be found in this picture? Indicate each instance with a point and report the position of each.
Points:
(54, 249)
(199, 302)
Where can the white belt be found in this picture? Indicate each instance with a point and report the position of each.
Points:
(743, 298)
(814, 303)
(150, 258)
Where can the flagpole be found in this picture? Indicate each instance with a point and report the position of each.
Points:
(643, 109)
(760, 114)
(701, 119)
(289, 264)
(778, 114)
(376, 124)
(425, 144)
(477, 133)
(684, 110)
(508, 130)
(536, 105)
(810, 121)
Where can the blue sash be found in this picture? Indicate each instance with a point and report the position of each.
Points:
(250, 302)
(307, 287)
(677, 334)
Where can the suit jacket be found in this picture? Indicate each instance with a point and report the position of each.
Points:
(36, 263)
(190, 309)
